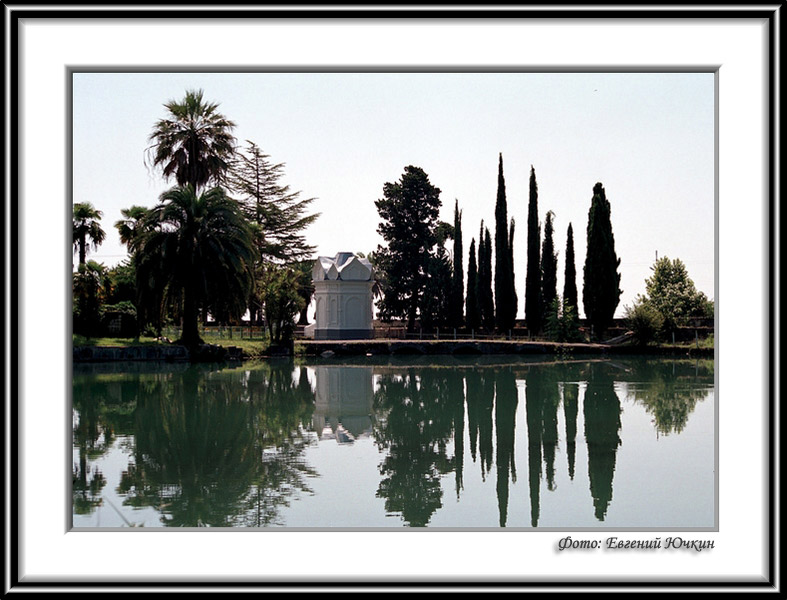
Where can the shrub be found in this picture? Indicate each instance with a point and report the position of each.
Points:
(644, 321)
(562, 323)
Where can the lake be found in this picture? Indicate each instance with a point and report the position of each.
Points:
(396, 442)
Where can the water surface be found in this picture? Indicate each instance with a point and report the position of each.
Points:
(476, 442)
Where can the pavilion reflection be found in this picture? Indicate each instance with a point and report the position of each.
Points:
(343, 399)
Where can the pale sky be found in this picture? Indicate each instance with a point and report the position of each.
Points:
(648, 137)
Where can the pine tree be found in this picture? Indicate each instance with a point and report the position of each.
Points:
(473, 316)
(601, 289)
(503, 285)
(533, 307)
(548, 265)
(280, 214)
(280, 217)
(458, 278)
(409, 213)
(570, 285)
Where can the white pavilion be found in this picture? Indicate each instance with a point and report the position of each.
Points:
(343, 294)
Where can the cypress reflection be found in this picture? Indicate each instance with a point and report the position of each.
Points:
(570, 411)
(505, 426)
(602, 429)
(534, 402)
(207, 445)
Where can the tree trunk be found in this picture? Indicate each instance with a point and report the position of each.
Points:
(190, 334)
(411, 313)
(82, 251)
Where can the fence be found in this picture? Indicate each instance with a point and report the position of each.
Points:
(400, 333)
(381, 331)
(222, 332)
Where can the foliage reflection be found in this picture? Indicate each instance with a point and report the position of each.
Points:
(226, 447)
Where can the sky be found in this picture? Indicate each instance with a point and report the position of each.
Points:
(647, 137)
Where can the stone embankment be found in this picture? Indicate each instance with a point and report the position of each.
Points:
(377, 347)
(479, 347)
(162, 353)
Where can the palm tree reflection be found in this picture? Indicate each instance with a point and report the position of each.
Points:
(220, 449)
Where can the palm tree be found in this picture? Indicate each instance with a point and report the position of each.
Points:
(131, 225)
(87, 230)
(199, 250)
(89, 284)
(194, 144)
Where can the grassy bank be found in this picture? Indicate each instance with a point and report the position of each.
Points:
(258, 348)
(250, 348)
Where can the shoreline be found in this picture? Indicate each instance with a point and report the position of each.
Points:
(486, 347)
(390, 347)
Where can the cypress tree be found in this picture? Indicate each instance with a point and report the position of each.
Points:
(570, 285)
(503, 286)
(514, 298)
(458, 278)
(486, 306)
(548, 265)
(601, 288)
(487, 297)
(533, 311)
(480, 288)
(473, 316)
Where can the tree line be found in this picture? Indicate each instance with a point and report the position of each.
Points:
(419, 275)
(229, 238)
(226, 239)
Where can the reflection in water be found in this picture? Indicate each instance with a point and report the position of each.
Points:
(415, 430)
(670, 396)
(343, 403)
(602, 426)
(212, 448)
(227, 447)
(570, 410)
(456, 394)
(99, 412)
(505, 425)
(534, 401)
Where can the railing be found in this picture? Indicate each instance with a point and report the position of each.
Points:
(259, 333)
(222, 332)
(400, 333)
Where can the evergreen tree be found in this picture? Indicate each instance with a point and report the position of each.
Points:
(280, 213)
(601, 288)
(533, 304)
(548, 265)
(480, 288)
(487, 299)
(458, 279)
(570, 285)
(473, 315)
(436, 308)
(514, 297)
(408, 210)
(504, 312)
